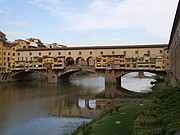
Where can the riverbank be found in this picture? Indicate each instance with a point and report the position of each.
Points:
(161, 114)
(118, 121)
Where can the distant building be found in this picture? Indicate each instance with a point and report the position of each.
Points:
(55, 45)
(36, 43)
(2, 37)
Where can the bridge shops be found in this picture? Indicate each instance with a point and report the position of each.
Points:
(147, 57)
(112, 62)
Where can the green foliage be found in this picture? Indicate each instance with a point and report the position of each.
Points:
(161, 114)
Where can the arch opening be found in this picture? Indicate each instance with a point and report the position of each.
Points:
(90, 61)
(138, 82)
(69, 61)
(80, 61)
(28, 76)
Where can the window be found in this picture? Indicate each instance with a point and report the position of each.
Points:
(121, 60)
(90, 53)
(39, 53)
(113, 52)
(124, 52)
(9, 53)
(59, 53)
(160, 51)
(121, 56)
(4, 53)
(30, 53)
(49, 53)
(101, 52)
(8, 59)
(148, 52)
(136, 52)
(69, 53)
(40, 59)
(13, 54)
(18, 54)
(79, 53)
(167, 57)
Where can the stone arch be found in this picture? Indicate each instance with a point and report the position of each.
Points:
(80, 61)
(65, 76)
(28, 75)
(20, 74)
(127, 72)
(90, 61)
(69, 61)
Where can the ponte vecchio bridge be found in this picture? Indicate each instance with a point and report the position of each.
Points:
(112, 62)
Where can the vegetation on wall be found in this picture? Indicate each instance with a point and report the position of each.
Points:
(161, 114)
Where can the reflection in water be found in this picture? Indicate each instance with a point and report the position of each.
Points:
(38, 107)
(133, 83)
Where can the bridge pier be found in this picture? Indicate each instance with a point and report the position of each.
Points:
(111, 78)
(141, 74)
(118, 81)
(52, 76)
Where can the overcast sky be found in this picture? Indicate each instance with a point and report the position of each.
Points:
(88, 22)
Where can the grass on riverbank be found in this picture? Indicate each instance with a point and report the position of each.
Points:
(118, 121)
(161, 114)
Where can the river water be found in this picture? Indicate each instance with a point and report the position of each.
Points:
(39, 108)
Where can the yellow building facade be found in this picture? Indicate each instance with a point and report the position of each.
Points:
(8, 53)
(2, 42)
